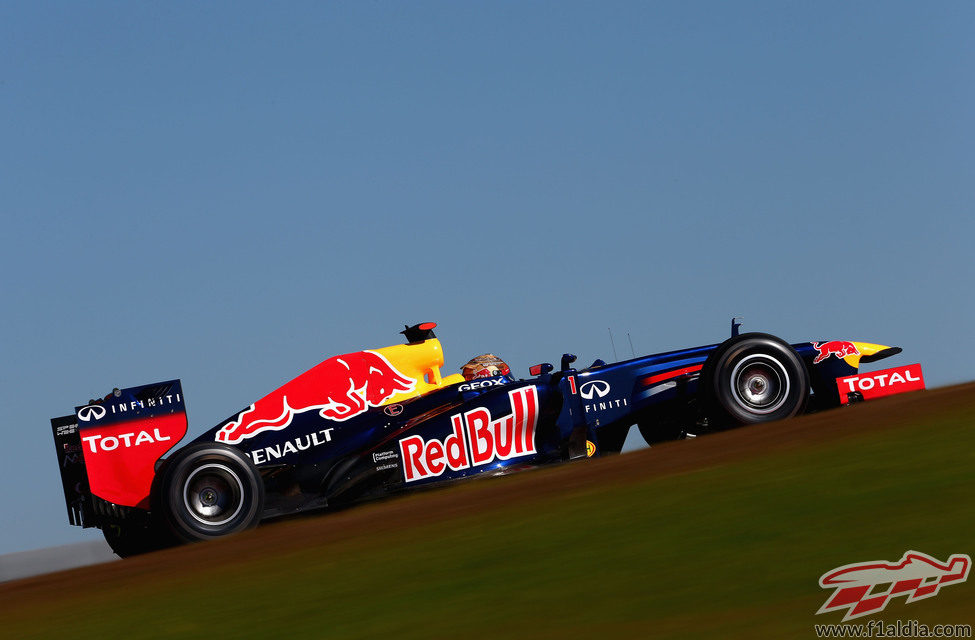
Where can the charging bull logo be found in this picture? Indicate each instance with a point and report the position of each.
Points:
(917, 576)
(839, 348)
(339, 388)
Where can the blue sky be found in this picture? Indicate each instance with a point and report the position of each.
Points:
(228, 193)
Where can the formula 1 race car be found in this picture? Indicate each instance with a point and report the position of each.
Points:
(367, 424)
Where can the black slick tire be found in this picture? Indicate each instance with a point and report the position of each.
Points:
(751, 378)
(128, 539)
(211, 490)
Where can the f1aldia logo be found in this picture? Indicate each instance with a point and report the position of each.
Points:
(91, 412)
(599, 388)
(916, 575)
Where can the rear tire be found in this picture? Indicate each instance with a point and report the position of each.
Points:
(129, 539)
(754, 377)
(211, 490)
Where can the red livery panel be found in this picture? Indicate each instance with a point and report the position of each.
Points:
(120, 458)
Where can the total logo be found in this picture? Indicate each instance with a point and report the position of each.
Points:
(881, 383)
(475, 440)
(596, 390)
(126, 440)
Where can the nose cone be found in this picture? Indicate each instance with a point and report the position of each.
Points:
(870, 352)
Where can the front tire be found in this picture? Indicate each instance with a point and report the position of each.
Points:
(754, 377)
(211, 490)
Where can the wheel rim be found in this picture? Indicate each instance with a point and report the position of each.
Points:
(213, 494)
(760, 384)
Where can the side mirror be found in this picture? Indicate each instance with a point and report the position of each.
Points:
(541, 369)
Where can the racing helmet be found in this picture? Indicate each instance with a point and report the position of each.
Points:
(485, 366)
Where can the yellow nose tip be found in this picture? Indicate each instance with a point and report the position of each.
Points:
(865, 349)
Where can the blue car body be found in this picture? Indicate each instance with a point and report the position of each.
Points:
(451, 431)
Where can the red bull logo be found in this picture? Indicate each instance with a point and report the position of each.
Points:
(340, 388)
(838, 348)
(916, 576)
(475, 439)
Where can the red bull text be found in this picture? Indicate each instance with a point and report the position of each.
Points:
(475, 439)
(339, 388)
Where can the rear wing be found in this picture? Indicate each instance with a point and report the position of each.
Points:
(74, 477)
(108, 450)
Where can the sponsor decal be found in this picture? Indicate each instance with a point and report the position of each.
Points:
(385, 460)
(393, 410)
(612, 403)
(590, 448)
(98, 442)
(882, 383)
(265, 455)
(91, 412)
(66, 429)
(917, 576)
(599, 388)
(339, 388)
(72, 453)
(95, 412)
(481, 384)
(476, 439)
(838, 348)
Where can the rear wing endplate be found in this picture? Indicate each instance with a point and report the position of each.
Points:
(74, 477)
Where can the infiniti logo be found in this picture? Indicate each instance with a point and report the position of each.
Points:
(91, 412)
(598, 387)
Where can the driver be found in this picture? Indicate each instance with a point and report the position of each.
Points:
(485, 366)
